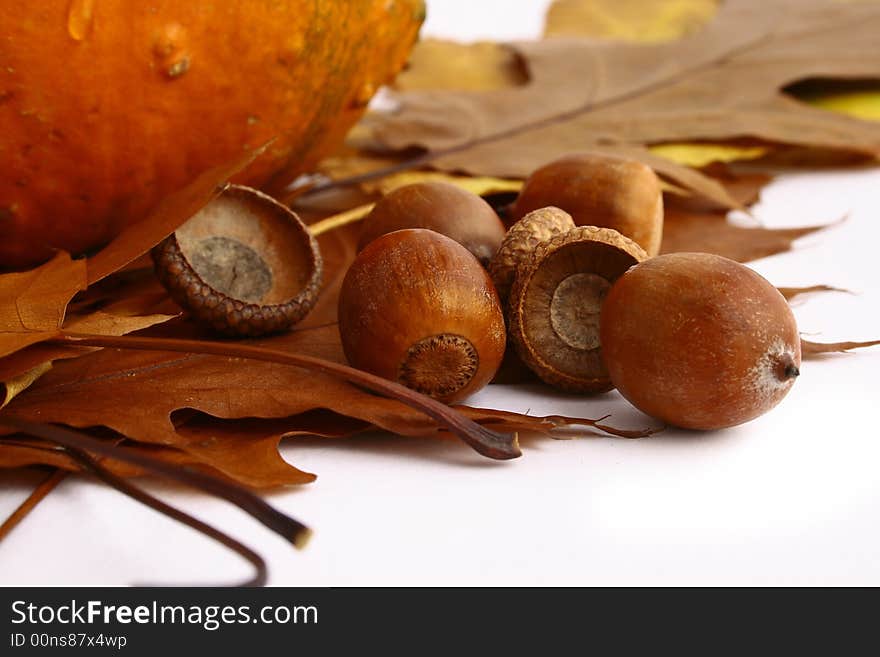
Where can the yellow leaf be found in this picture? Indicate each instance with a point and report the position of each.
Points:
(701, 154)
(860, 104)
(478, 185)
(629, 20)
(483, 66)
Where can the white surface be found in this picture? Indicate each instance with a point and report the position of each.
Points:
(790, 498)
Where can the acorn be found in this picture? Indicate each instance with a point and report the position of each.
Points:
(439, 206)
(520, 243)
(556, 302)
(600, 190)
(417, 307)
(244, 265)
(699, 341)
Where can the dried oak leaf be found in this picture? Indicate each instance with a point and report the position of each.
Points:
(132, 307)
(136, 393)
(721, 83)
(21, 369)
(647, 21)
(33, 303)
(128, 292)
(691, 224)
(21, 451)
(791, 293)
(711, 232)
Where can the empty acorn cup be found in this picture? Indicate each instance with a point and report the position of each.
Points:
(245, 265)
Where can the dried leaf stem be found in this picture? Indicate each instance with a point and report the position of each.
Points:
(289, 528)
(94, 467)
(813, 349)
(55, 477)
(792, 292)
(493, 444)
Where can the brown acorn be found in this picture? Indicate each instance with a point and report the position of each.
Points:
(417, 308)
(555, 304)
(441, 207)
(699, 341)
(245, 265)
(600, 190)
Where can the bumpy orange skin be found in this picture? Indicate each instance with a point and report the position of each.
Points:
(699, 341)
(106, 106)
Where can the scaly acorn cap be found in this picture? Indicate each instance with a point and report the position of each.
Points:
(554, 305)
(245, 265)
(520, 242)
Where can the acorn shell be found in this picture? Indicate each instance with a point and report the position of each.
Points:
(555, 304)
(439, 206)
(600, 190)
(699, 341)
(245, 265)
(520, 243)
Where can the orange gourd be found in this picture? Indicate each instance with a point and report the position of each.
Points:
(107, 106)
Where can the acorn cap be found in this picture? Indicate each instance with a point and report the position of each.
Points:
(520, 242)
(244, 264)
(555, 303)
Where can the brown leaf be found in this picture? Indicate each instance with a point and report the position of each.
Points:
(22, 451)
(711, 232)
(245, 449)
(813, 349)
(34, 357)
(129, 292)
(720, 83)
(17, 451)
(102, 322)
(94, 390)
(32, 303)
(20, 369)
(690, 224)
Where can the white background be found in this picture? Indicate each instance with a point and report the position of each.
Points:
(790, 498)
